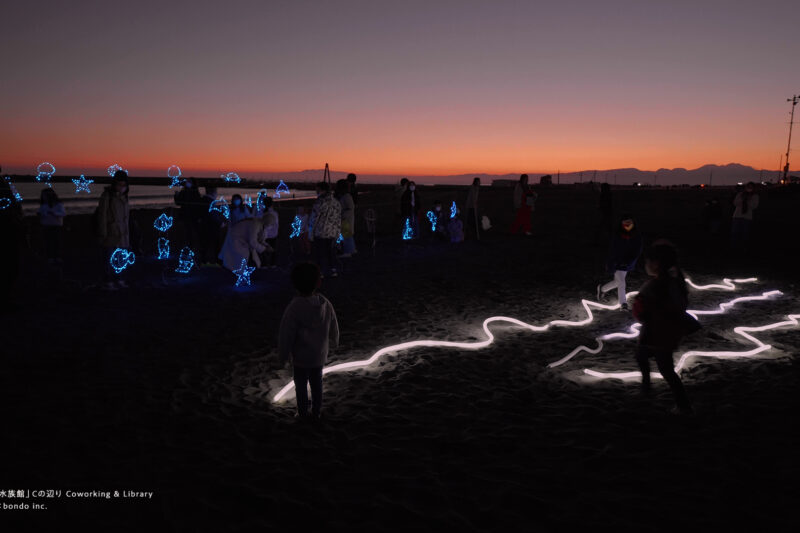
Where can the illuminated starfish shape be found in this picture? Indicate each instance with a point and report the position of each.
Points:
(82, 184)
(243, 273)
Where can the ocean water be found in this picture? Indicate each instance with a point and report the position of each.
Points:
(140, 196)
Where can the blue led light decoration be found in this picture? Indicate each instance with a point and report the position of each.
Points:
(163, 248)
(82, 184)
(232, 177)
(174, 172)
(121, 259)
(297, 226)
(14, 193)
(282, 188)
(340, 239)
(243, 273)
(185, 261)
(432, 218)
(163, 222)
(221, 206)
(453, 210)
(5, 203)
(113, 169)
(44, 172)
(248, 201)
(408, 232)
(260, 206)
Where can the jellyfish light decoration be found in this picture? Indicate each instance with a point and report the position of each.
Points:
(282, 188)
(163, 248)
(220, 205)
(45, 171)
(174, 173)
(243, 273)
(408, 232)
(82, 184)
(432, 218)
(453, 210)
(185, 261)
(113, 169)
(121, 259)
(297, 226)
(163, 222)
(231, 177)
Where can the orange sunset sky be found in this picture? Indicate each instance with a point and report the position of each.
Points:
(417, 88)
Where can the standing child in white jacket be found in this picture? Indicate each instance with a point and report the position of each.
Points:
(307, 328)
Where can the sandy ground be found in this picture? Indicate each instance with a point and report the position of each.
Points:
(166, 387)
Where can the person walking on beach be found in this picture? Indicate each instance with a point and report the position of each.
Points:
(347, 202)
(473, 228)
(744, 203)
(113, 214)
(270, 236)
(626, 245)
(308, 329)
(326, 225)
(51, 216)
(409, 208)
(660, 307)
(211, 226)
(524, 203)
(189, 214)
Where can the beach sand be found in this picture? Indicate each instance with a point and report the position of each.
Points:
(167, 387)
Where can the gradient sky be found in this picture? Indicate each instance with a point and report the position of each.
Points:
(411, 87)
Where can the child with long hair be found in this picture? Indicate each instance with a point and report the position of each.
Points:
(660, 307)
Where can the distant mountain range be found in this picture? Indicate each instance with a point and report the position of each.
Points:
(709, 174)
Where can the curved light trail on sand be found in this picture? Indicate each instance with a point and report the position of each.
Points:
(634, 329)
(727, 284)
(743, 331)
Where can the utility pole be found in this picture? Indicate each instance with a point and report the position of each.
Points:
(794, 99)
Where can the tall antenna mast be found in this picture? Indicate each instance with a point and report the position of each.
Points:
(326, 177)
(794, 99)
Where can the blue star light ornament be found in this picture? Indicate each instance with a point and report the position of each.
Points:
(243, 273)
(163, 222)
(82, 184)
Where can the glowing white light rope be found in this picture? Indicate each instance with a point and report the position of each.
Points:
(727, 284)
(634, 329)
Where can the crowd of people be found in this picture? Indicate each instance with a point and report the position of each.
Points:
(247, 233)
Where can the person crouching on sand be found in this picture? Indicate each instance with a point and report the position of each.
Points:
(626, 245)
(660, 306)
(308, 327)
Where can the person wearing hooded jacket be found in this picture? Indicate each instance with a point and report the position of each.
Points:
(113, 223)
(326, 225)
(626, 246)
(308, 328)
